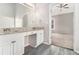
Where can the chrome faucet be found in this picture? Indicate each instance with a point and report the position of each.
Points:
(6, 29)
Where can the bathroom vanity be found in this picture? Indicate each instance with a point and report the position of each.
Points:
(16, 28)
(13, 43)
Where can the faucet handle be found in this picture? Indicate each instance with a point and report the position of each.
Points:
(6, 29)
(13, 41)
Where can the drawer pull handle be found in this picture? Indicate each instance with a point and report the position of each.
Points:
(13, 41)
(13, 46)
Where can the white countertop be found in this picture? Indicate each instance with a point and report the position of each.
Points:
(18, 30)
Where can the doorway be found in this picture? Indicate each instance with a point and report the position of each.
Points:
(62, 35)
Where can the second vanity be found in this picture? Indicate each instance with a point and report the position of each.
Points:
(13, 40)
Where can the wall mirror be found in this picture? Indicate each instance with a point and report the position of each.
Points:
(15, 15)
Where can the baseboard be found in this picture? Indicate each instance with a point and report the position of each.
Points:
(76, 52)
(46, 43)
(26, 45)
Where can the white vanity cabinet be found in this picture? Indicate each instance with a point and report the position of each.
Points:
(58, 10)
(37, 38)
(12, 44)
(34, 38)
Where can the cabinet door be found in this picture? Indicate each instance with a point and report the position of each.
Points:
(18, 45)
(1, 47)
(12, 44)
(0, 50)
(40, 37)
(6, 50)
(5, 43)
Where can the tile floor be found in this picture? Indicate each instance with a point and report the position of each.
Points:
(44, 49)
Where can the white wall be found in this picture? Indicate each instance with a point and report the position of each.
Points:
(50, 19)
(76, 28)
(42, 19)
